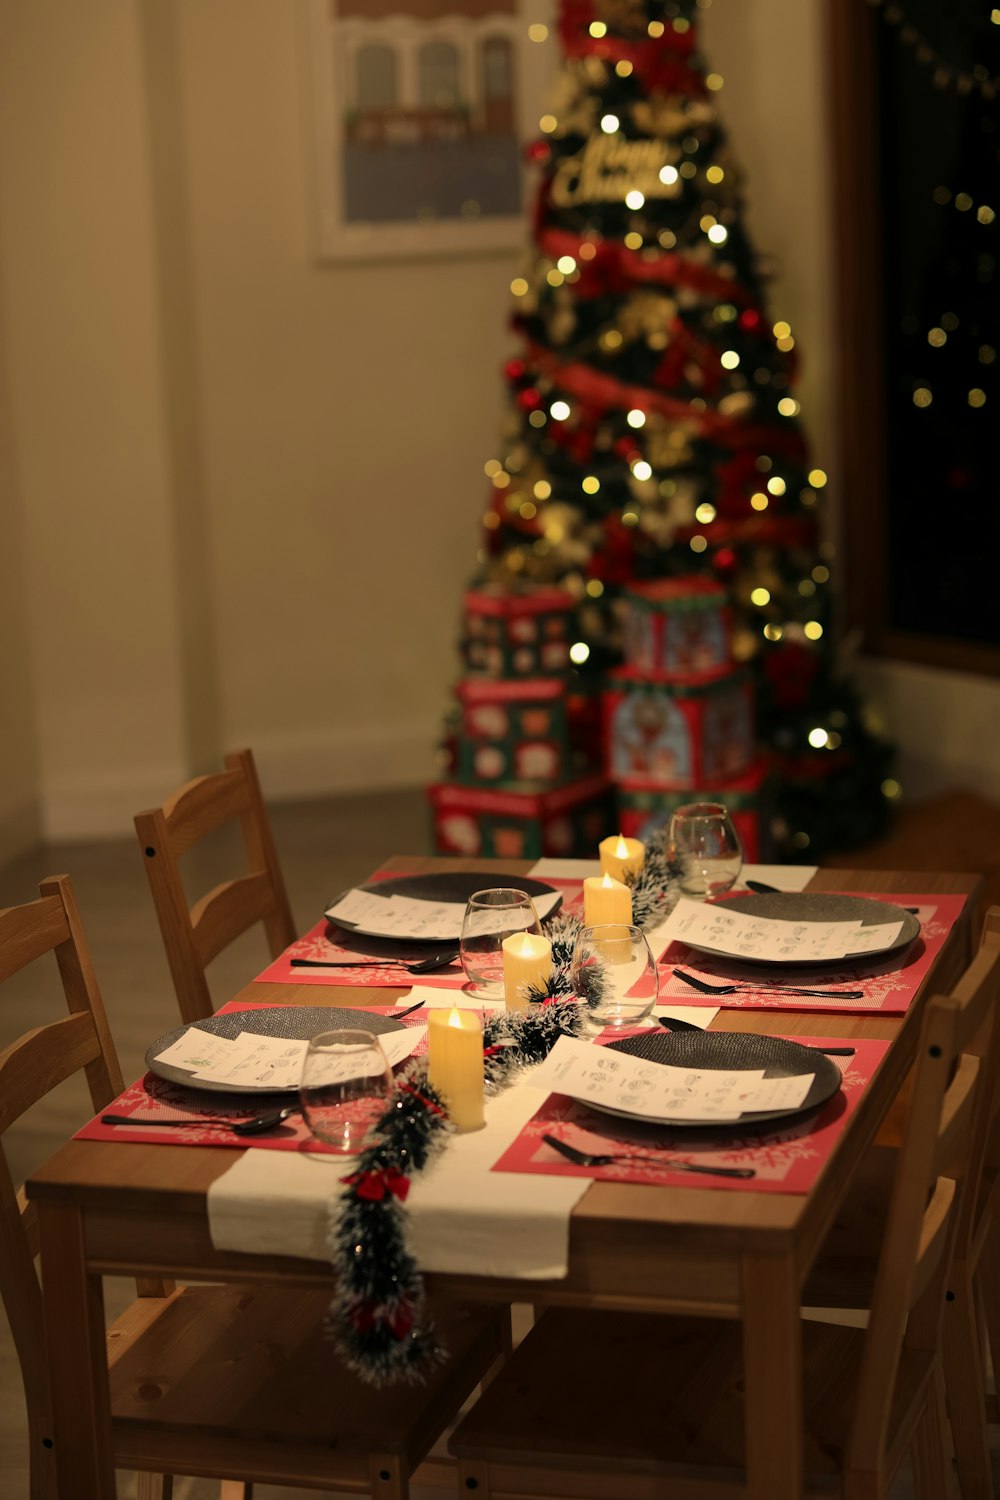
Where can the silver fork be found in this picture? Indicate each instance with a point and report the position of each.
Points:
(782, 989)
(587, 1159)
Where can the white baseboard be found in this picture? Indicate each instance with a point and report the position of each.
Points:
(364, 758)
(20, 831)
(101, 805)
(356, 758)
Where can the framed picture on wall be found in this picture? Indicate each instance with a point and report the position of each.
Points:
(419, 112)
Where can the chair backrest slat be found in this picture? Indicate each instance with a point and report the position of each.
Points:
(227, 911)
(42, 1059)
(194, 935)
(29, 1068)
(956, 1076)
(26, 932)
(202, 806)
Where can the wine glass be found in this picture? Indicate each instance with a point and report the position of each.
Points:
(491, 916)
(614, 972)
(345, 1088)
(701, 837)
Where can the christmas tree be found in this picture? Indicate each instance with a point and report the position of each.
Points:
(653, 431)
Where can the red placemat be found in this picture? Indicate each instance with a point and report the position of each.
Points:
(786, 1159)
(334, 944)
(161, 1100)
(889, 985)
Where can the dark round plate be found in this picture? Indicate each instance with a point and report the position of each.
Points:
(449, 886)
(294, 1021)
(730, 1050)
(817, 906)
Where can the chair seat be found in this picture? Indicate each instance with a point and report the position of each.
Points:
(642, 1396)
(239, 1380)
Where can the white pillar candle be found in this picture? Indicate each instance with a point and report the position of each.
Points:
(527, 959)
(606, 900)
(455, 1064)
(621, 857)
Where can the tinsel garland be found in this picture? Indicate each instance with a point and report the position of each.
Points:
(379, 1316)
(654, 895)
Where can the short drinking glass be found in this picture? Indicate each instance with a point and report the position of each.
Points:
(491, 916)
(614, 972)
(701, 837)
(346, 1087)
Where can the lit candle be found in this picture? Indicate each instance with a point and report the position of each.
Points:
(621, 857)
(606, 900)
(455, 1064)
(527, 959)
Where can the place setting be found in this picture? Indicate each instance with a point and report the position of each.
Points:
(396, 930)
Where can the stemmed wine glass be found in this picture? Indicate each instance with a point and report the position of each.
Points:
(491, 916)
(345, 1088)
(701, 837)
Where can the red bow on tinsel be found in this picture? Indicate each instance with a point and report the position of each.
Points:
(366, 1314)
(374, 1184)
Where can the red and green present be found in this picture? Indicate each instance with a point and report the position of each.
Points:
(674, 734)
(678, 627)
(521, 823)
(642, 806)
(530, 730)
(518, 635)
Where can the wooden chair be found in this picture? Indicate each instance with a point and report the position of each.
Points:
(666, 1399)
(844, 1275)
(220, 1381)
(194, 935)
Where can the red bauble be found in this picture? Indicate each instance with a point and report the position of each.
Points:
(537, 152)
(790, 669)
(750, 319)
(529, 399)
(514, 369)
(724, 562)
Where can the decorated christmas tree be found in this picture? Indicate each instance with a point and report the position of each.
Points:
(653, 431)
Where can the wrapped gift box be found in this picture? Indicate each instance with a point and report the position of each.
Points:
(675, 734)
(518, 635)
(643, 807)
(678, 628)
(521, 822)
(524, 730)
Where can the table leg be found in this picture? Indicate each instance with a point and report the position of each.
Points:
(772, 1354)
(77, 1357)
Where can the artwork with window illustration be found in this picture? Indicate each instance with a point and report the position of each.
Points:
(419, 111)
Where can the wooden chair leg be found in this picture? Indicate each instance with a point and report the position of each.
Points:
(389, 1478)
(154, 1486)
(474, 1478)
(965, 1384)
(988, 1285)
(933, 1477)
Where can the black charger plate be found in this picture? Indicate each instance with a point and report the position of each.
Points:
(455, 886)
(729, 1050)
(298, 1022)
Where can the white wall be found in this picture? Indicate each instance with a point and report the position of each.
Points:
(247, 484)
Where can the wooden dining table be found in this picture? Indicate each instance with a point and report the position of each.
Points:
(109, 1209)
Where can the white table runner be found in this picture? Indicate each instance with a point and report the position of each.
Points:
(463, 1217)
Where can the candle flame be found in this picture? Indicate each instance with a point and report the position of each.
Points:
(455, 1018)
(527, 948)
(608, 883)
(621, 849)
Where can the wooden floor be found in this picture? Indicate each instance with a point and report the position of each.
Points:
(324, 847)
